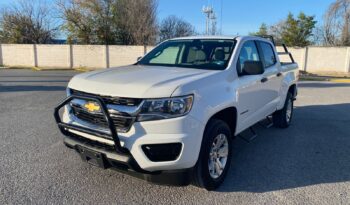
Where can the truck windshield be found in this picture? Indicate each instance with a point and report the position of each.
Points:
(198, 53)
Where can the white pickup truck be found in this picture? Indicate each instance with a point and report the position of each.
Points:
(171, 117)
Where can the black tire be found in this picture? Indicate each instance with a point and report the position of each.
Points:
(201, 175)
(280, 117)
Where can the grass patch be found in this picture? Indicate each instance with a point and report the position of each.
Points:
(304, 78)
(83, 69)
(345, 80)
(330, 77)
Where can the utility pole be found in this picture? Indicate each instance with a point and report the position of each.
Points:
(208, 12)
(221, 16)
(213, 24)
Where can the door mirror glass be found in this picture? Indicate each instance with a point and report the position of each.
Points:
(253, 68)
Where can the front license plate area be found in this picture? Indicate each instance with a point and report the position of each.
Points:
(92, 157)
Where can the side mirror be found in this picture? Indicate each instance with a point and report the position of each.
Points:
(139, 58)
(253, 68)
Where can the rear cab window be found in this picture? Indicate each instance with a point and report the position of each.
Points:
(268, 54)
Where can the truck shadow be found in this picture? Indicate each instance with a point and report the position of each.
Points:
(314, 150)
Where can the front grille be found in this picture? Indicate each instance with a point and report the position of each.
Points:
(122, 122)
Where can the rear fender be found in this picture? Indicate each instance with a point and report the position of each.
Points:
(289, 80)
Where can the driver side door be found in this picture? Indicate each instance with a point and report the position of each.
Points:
(251, 88)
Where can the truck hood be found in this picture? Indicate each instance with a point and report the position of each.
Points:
(136, 81)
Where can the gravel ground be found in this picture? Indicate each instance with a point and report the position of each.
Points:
(308, 163)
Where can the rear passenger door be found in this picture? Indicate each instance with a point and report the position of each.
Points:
(272, 77)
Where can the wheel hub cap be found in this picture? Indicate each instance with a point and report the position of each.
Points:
(218, 156)
(289, 111)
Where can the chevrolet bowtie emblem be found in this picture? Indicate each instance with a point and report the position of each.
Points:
(92, 107)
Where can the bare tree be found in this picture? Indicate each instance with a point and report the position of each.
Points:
(172, 27)
(276, 31)
(319, 36)
(27, 22)
(337, 24)
(137, 21)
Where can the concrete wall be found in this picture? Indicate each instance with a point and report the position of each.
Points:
(17, 55)
(320, 59)
(93, 56)
(328, 59)
(311, 59)
(69, 56)
(124, 55)
(57, 56)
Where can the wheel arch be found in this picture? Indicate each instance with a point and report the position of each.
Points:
(228, 115)
(293, 89)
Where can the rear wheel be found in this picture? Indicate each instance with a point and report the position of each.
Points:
(283, 118)
(215, 156)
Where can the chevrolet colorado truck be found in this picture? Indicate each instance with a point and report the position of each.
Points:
(171, 117)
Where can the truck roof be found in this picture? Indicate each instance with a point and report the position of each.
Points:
(206, 37)
(219, 37)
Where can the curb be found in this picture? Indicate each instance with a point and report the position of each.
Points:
(81, 69)
(335, 80)
(340, 80)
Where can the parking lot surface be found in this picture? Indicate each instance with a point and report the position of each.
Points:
(308, 163)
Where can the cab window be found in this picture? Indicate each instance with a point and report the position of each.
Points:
(211, 54)
(249, 52)
(268, 54)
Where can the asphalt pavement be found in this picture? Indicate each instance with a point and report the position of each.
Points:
(308, 163)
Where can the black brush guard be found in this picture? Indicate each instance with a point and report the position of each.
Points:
(175, 177)
(113, 133)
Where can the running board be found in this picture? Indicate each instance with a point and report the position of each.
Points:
(248, 135)
(267, 123)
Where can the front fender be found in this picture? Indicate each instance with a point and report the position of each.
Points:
(211, 95)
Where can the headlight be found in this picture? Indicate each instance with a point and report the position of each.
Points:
(158, 109)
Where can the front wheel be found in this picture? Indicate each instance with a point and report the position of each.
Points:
(283, 118)
(215, 156)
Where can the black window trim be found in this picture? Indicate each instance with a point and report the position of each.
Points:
(258, 42)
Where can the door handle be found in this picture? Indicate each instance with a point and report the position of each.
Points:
(279, 74)
(263, 80)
